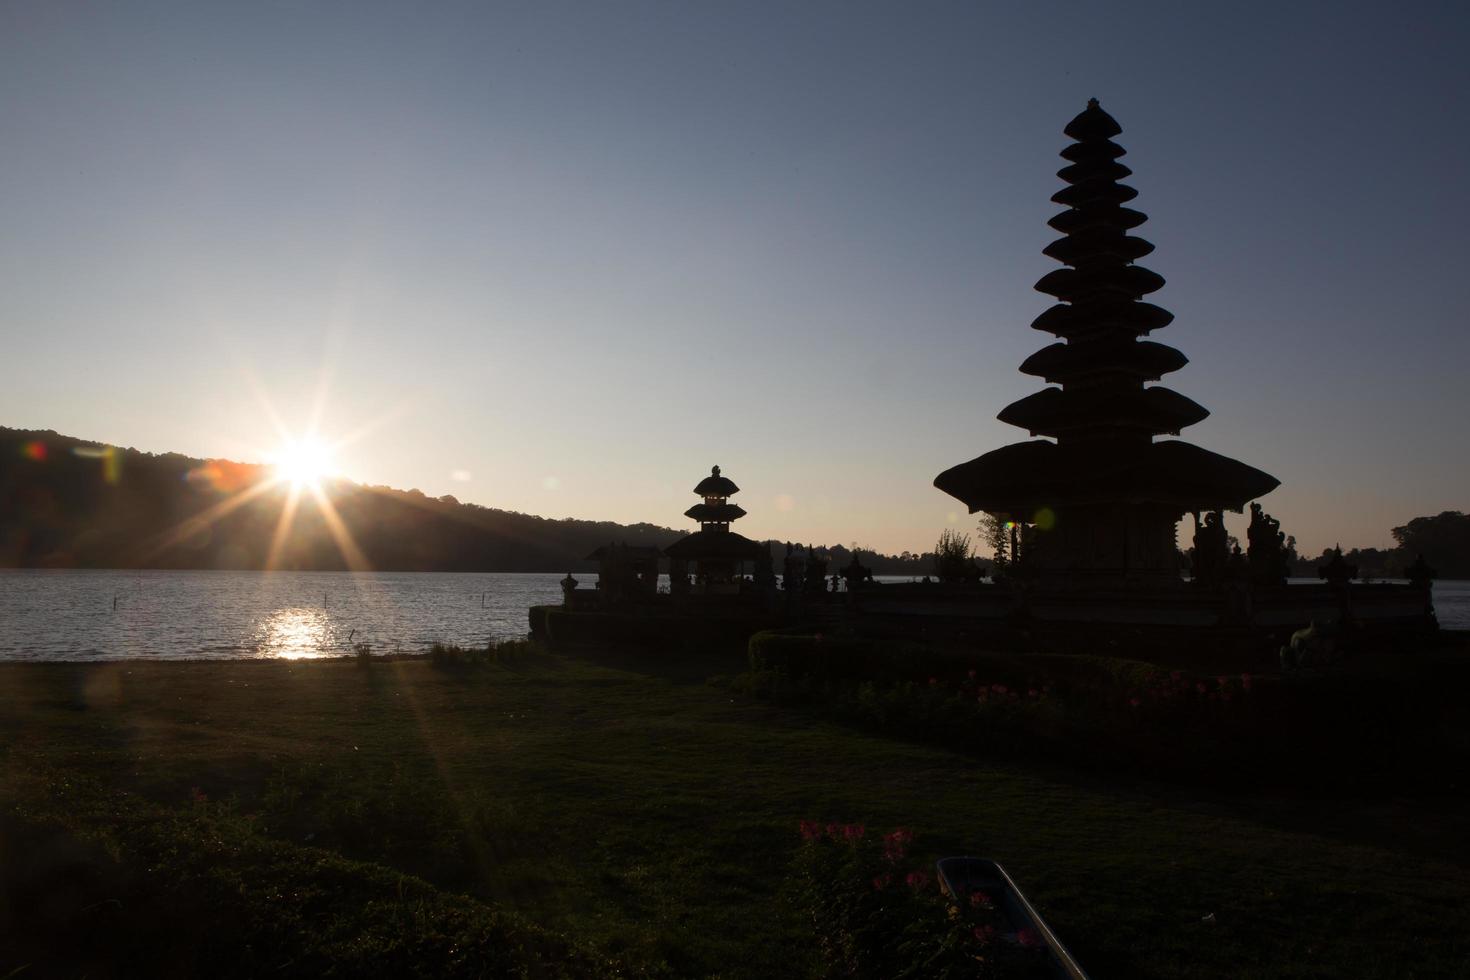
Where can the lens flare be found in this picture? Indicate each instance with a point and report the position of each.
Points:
(303, 462)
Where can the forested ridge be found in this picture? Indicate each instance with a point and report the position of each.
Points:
(71, 503)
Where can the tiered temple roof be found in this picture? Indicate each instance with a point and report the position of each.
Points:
(714, 541)
(1103, 417)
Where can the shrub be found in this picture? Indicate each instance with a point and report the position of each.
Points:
(452, 657)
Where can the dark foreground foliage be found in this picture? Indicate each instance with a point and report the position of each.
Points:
(552, 815)
(138, 891)
(1393, 723)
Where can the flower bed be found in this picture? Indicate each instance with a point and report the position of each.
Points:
(876, 913)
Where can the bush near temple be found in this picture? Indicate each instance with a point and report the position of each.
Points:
(1401, 722)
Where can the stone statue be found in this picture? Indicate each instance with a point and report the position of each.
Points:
(1316, 646)
(1266, 549)
(1211, 552)
(856, 574)
(816, 572)
(790, 571)
(1338, 572)
(1236, 586)
(1420, 575)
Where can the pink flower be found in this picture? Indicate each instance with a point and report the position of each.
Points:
(882, 881)
(1027, 937)
(810, 830)
(895, 844)
(1134, 702)
(1245, 682)
(1033, 693)
(917, 880)
(982, 697)
(981, 900)
(1199, 686)
(972, 675)
(984, 935)
(998, 688)
(933, 682)
(1223, 681)
(852, 832)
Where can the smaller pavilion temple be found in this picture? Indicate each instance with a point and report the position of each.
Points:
(718, 554)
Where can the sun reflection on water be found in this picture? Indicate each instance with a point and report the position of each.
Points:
(294, 634)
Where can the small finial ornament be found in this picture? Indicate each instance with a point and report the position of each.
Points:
(714, 471)
(1092, 104)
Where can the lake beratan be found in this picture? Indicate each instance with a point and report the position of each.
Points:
(175, 615)
(70, 614)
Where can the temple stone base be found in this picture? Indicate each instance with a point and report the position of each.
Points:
(1378, 607)
(1106, 548)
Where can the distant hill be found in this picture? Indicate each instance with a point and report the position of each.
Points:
(71, 503)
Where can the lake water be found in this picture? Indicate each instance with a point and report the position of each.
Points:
(106, 615)
(70, 615)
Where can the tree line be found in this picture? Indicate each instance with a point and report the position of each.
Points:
(1442, 540)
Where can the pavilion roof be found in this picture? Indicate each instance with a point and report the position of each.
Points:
(1021, 478)
(716, 485)
(717, 546)
(1057, 411)
(720, 513)
(1143, 360)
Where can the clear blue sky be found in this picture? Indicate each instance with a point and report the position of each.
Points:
(567, 256)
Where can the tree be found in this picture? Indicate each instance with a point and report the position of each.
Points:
(997, 536)
(1443, 540)
(953, 556)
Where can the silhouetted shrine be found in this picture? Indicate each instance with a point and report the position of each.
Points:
(1101, 496)
(718, 554)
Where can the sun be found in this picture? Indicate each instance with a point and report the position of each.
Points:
(304, 463)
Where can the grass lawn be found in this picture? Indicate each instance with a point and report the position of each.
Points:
(653, 818)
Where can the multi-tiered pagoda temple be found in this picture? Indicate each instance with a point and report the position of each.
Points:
(1101, 495)
(717, 553)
